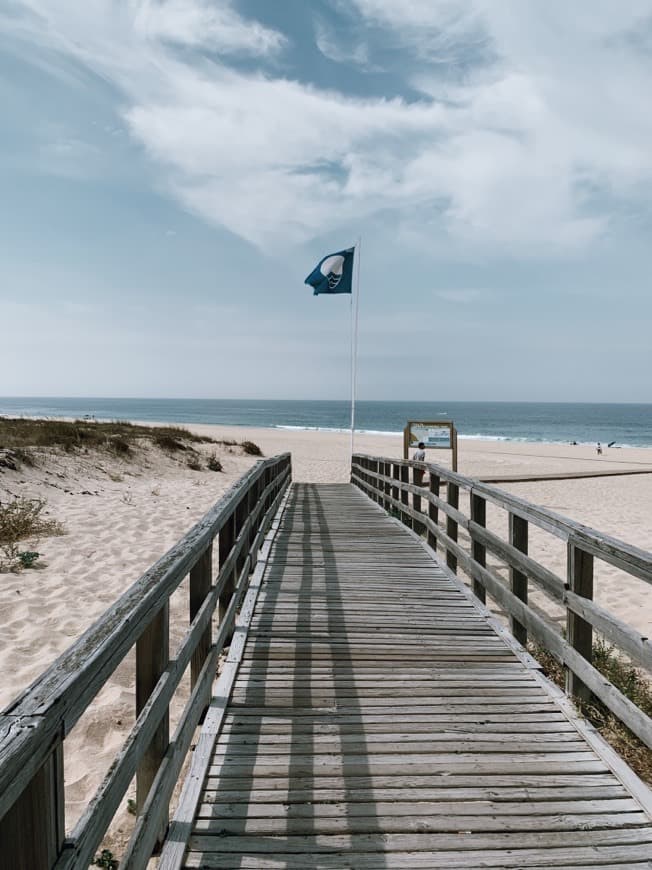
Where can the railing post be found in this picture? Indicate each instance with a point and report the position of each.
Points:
(200, 586)
(433, 510)
(225, 541)
(478, 550)
(579, 631)
(405, 478)
(251, 506)
(375, 468)
(417, 480)
(240, 519)
(267, 479)
(33, 830)
(518, 538)
(396, 474)
(451, 524)
(387, 466)
(152, 658)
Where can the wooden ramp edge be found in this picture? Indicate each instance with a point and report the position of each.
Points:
(372, 715)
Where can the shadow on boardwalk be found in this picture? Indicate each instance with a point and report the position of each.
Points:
(271, 785)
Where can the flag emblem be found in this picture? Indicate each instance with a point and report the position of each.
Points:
(333, 274)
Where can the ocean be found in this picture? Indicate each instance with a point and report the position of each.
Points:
(627, 425)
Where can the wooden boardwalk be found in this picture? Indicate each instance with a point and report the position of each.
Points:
(378, 719)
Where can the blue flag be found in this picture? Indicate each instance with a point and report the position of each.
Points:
(333, 274)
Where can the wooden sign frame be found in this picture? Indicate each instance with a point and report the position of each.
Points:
(439, 424)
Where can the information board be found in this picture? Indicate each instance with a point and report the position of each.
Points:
(434, 434)
(437, 435)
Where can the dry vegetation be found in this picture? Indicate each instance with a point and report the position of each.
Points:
(628, 680)
(20, 437)
(26, 443)
(20, 520)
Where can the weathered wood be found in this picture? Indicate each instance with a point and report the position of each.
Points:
(518, 538)
(618, 553)
(582, 612)
(478, 549)
(200, 585)
(578, 630)
(31, 798)
(451, 524)
(333, 855)
(417, 480)
(405, 516)
(549, 582)
(32, 831)
(433, 512)
(90, 828)
(622, 707)
(225, 543)
(396, 475)
(144, 838)
(377, 714)
(180, 828)
(152, 659)
(387, 471)
(59, 697)
(618, 632)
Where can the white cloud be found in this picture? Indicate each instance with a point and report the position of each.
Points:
(339, 50)
(201, 23)
(530, 126)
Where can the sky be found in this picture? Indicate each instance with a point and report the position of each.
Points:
(171, 170)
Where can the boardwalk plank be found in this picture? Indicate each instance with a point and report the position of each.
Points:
(378, 720)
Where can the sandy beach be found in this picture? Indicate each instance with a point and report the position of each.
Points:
(121, 515)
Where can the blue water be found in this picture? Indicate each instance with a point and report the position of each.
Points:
(628, 425)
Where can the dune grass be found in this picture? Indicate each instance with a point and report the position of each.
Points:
(630, 682)
(118, 437)
(121, 438)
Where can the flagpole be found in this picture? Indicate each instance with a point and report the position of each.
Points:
(355, 307)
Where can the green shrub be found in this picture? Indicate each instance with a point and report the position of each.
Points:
(27, 558)
(213, 463)
(251, 449)
(169, 442)
(106, 860)
(119, 445)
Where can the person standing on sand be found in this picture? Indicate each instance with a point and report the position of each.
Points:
(598, 449)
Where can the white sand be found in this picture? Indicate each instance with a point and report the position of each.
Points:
(121, 517)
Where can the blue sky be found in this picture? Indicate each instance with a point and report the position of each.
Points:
(171, 170)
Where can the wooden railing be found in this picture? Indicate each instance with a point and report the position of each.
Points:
(33, 728)
(387, 481)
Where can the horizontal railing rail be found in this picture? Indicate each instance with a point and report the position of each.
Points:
(33, 728)
(387, 481)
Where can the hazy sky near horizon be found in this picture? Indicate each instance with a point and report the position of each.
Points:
(171, 170)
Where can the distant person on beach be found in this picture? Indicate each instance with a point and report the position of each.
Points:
(598, 448)
(419, 456)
